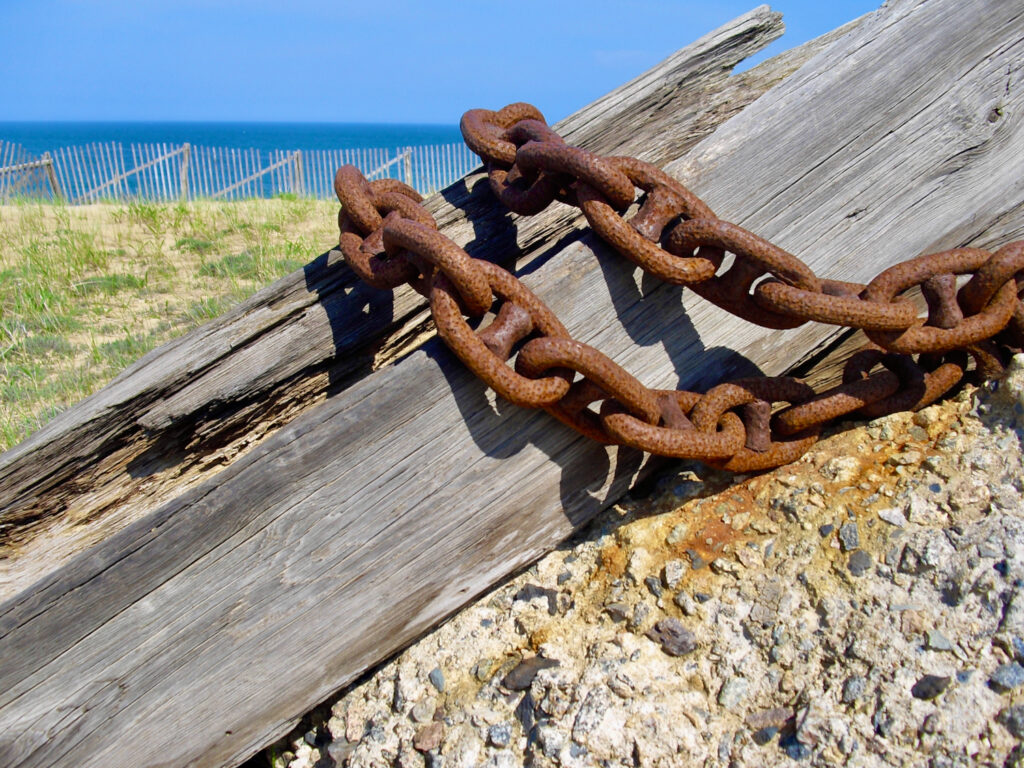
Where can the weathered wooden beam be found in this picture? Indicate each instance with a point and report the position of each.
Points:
(218, 618)
(192, 407)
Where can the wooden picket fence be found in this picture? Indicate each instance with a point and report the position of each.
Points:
(166, 172)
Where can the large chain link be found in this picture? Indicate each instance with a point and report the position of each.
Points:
(388, 238)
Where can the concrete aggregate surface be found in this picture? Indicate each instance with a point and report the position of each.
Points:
(863, 606)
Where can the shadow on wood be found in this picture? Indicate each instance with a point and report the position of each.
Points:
(206, 625)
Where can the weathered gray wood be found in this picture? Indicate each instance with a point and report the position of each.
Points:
(205, 628)
(119, 178)
(946, 174)
(290, 158)
(186, 154)
(195, 405)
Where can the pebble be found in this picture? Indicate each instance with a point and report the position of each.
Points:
(841, 469)
(727, 567)
(640, 613)
(917, 433)
(436, 678)
(521, 677)
(551, 740)
(853, 689)
(315, 738)
(930, 686)
(499, 735)
(826, 529)
(622, 685)
(1017, 645)
(591, 713)
(1007, 677)
(423, 711)
(483, 669)
(849, 537)
(685, 603)
(989, 550)
(428, 737)
(675, 639)
(673, 573)
(733, 692)
(860, 562)
(339, 751)
(677, 534)
(767, 717)
(766, 734)
(617, 611)
(1012, 718)
(938, 642)
(893, 516)
(905, 459)
(638, 564)
(795, 748)
(654, 585)
(696, 561)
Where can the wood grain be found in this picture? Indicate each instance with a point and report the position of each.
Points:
(202, 630)
(191, 408)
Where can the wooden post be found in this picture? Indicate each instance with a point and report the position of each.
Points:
(51, 174)
(408, 166)
(298, 181)
(186, 152)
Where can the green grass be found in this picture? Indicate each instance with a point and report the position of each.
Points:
(194, 245)
(85, 291)
(249, 266)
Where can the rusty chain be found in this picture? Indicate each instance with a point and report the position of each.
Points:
(388, 238)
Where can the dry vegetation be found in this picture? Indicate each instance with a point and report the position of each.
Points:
(87, 290)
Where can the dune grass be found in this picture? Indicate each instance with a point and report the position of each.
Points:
(87, 290)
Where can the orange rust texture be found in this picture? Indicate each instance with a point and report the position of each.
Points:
(734, 514)
(613, 561)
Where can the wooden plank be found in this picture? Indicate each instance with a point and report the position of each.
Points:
(942, 160)
(140, 181)
(51, 176)
(21, 167)
(189, 409)
(186, 152)
(67, 163)
(208, 177)
(89, 171)
(248, 179)
(366, 520)
(217, 166)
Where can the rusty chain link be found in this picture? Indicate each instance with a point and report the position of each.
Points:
(388, 238)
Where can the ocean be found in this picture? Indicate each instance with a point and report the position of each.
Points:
(39, 137)
(99, 160)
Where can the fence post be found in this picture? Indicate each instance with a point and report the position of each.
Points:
(51, 174)
(298, 182)
(186, 151)
(408, 166)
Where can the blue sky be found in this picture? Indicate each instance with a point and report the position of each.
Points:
(342, 61)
